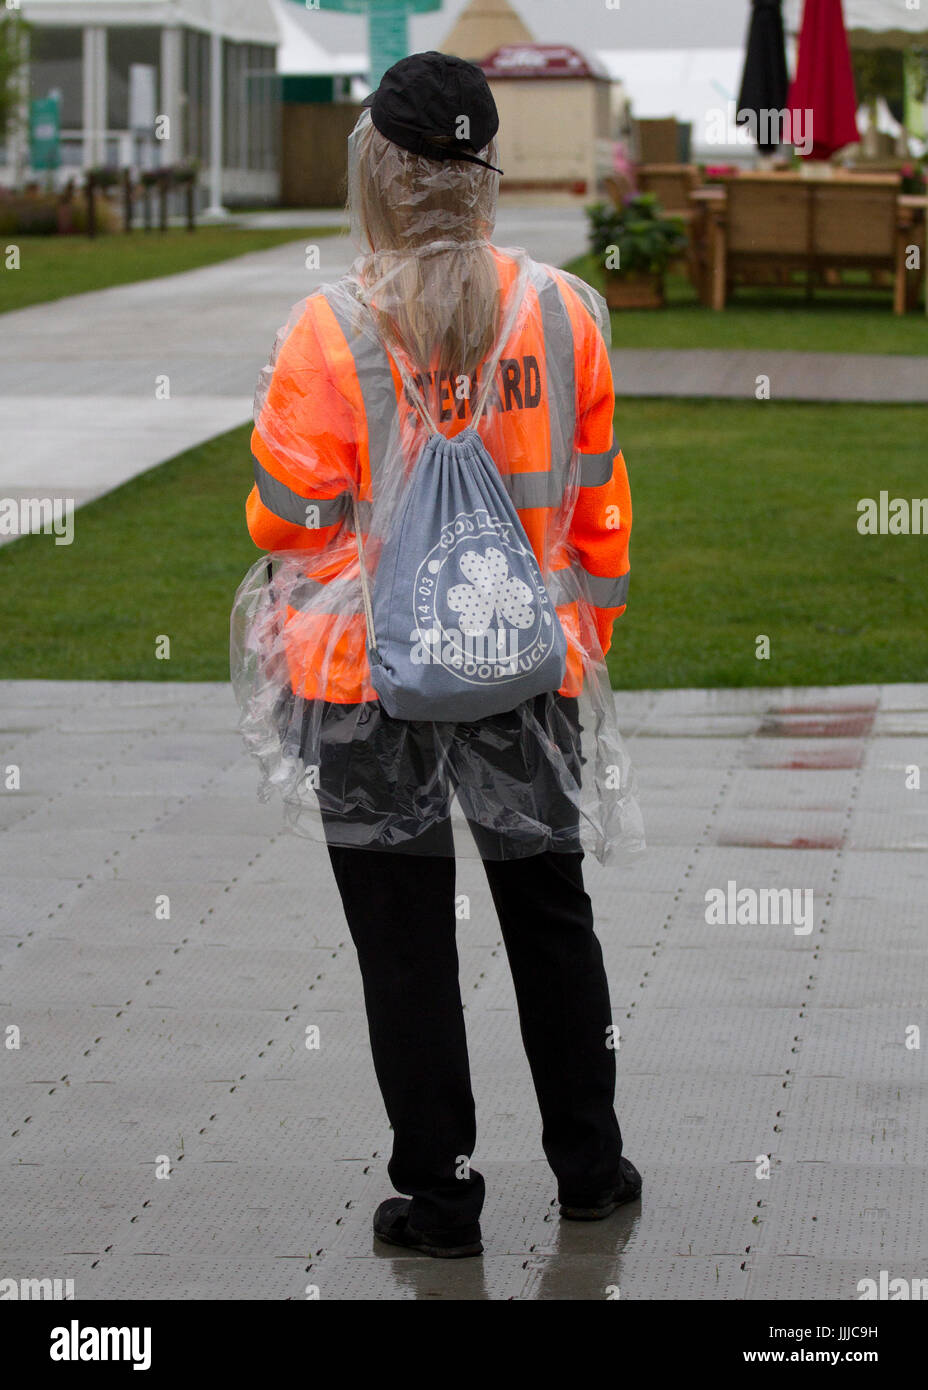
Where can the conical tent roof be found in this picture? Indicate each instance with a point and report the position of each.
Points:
(483, 26)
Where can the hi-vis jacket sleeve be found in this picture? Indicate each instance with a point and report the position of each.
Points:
(304, 448)
(602, 519)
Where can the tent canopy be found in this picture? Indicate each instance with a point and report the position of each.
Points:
(245, 21)
(873, 23)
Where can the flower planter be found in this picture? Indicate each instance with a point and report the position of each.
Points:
(635, 289)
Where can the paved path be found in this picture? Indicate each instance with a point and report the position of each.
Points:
(794, 376)
(144, 1035)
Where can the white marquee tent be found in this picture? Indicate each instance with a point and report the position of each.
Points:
(243, 21)
(874, 23)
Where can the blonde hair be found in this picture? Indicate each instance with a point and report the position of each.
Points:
(425, 225)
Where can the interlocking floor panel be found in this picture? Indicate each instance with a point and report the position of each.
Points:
(633, 1278)
(61, 970)
(694, 1123)
(880, 790)
(296, 919)
(833, 1209)
(790, 789)
(811, 1278)
(47, 854)
(141, 1120)
(165, 1277)
(871, 1043)
(775, 867)
(29, 903)
(888, 880)
(724, 1040)
(79, 809)
(138, 911)
(171, 776)
(846, 979)
(728, 975)
(690, 755)
(16, 809)
(221, 816)
(628, 917)
(184, 858)
(65, 1215)
(676, 824)
(900, 830)
(661, 786)
(168, 950)
(902, 724)
(795, 828)
(841, 1119)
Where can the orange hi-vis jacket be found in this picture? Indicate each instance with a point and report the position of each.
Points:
(338, 392)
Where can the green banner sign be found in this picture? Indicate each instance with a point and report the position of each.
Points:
(388, 40)
(45, 133)
(387, 26)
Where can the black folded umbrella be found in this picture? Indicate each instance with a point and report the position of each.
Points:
(765, 83)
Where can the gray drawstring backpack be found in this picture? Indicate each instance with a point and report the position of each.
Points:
(459, 622)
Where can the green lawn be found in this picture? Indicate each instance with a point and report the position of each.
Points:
(54, 266)
(848, 320)
(745, 524)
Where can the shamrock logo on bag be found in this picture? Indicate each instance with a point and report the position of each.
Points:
(492, 591)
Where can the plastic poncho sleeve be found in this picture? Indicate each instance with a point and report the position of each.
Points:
(304, 448)
(602, 518)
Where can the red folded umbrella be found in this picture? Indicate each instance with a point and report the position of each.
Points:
(823, 90)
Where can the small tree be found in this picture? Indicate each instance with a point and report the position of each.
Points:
(917, 69)
(13, 56)
(880, 72)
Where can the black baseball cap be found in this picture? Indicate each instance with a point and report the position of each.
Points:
(424, 96)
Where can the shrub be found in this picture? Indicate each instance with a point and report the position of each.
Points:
(37, 214)
(646, 239)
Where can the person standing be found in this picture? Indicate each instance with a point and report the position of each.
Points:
(437, 332)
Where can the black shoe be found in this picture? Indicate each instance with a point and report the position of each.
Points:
(391, 1224)
(607, 1202)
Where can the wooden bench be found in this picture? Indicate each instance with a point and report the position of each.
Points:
(769, 228)
(671, 184)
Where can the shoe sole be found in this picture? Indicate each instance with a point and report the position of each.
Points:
(449, 1252)
(597, 1213)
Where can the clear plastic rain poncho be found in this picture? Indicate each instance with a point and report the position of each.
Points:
(339, 432)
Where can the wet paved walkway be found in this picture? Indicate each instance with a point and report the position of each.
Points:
(165, 945)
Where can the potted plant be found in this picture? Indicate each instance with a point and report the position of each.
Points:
(635, 243)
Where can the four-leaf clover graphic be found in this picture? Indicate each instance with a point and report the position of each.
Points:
(492, 590)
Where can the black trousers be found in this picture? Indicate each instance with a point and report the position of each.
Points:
(400, 911)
